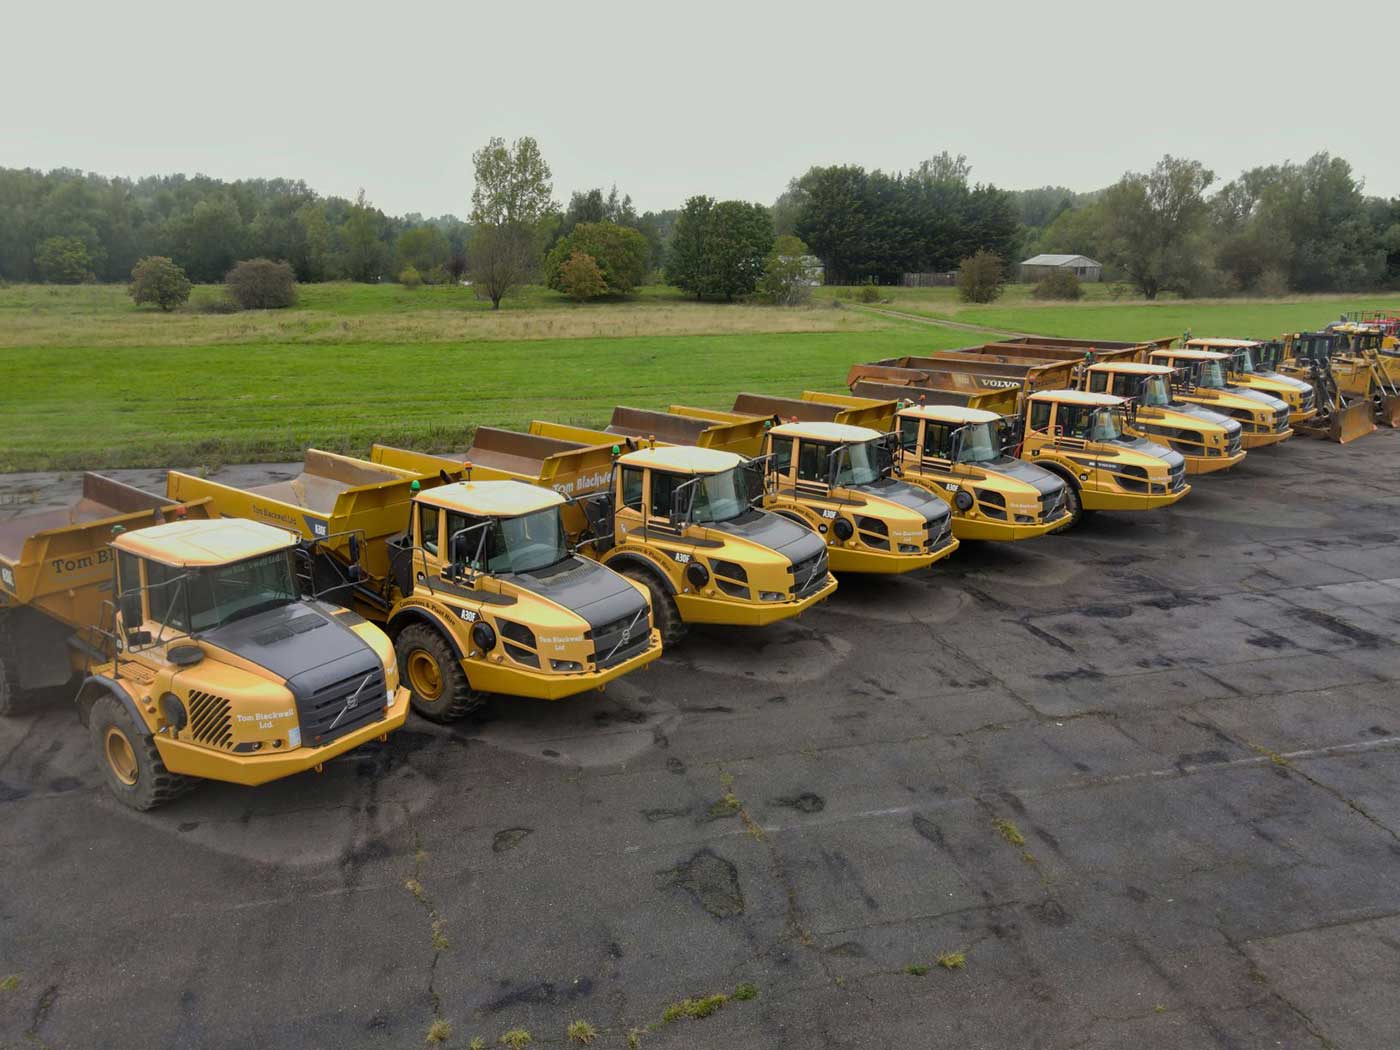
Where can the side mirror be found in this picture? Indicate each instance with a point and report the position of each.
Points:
(136, 636)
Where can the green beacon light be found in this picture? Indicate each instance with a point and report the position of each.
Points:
(415, 487)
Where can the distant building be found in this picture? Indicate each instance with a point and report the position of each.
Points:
(1041, 266)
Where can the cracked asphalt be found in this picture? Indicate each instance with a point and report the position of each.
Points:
(1144, 777)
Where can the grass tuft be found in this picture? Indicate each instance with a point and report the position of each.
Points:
(516, 1038)
(952, 960)
(414, 887)
(582, 1032)
(745, 992)
(10, 983)
(440, 941)
(917, 969)
(634, 1038)
(439, 1032)
(477, 1043)
(694, 1009)
(1010, 832)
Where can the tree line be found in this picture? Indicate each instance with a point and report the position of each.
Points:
(1286, 227)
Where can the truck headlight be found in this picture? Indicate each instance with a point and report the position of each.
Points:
(294, 737)
(770, 596)
(389, 697)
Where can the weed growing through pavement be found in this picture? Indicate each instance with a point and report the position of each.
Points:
(516, 1038)
(952, 960)
(439, 1032)
(10, 983)
(1010, 832)
(917, 969)
(582, 1032)
(694, 1009)
(745, 992)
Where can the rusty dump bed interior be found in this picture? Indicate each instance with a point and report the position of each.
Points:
(102, 498)
(516, 452)
(645, 423)
(1086, 344)
(324, 476)
(1041, 353)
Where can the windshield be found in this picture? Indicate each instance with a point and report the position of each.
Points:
(224, 593)
(719, 497)
(525, 543)
(979, 443)
(1155, 392)
(1211, 375)
(859, 464)
(1103, 425)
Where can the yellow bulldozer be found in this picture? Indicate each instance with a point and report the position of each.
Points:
(198, 657)
(1344, 414)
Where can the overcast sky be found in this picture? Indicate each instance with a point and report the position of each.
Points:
(668, 100)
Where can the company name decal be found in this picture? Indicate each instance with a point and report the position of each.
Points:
(584, 483)
(67, 566)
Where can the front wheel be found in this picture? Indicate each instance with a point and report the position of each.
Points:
(663, 607)
(1074, 503)
(129, 759)
(438, 687)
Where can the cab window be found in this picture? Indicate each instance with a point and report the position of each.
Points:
(129, 589)
(1040, 415)
(1098, 382)
(428, 524)
(632, 488)
(782, 455)
(662, 487)
(464, 547)
(908, 434)
(936, 440)
(812, 461)
(166, 595)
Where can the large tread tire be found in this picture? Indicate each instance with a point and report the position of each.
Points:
(441, 692)
(1074, 501)
(146, 783)
(664, 613)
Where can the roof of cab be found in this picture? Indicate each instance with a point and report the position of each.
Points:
(1077, 397)
(842, 433)
(1189, 355)
(195, 543)
(949, 413)
(1136, 368)
(498, 499)
(1233, 344)
(683, 459)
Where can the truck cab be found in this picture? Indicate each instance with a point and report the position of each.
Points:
(964, 456)
(1247, 372)
(1207, 440)
(837, 479)
(214, 667)
(489, 597)
(1084, 438)
(1202, 377)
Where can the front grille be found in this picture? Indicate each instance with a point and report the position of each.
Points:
(1280, 420)
(211, 722)
(1309, 400)
(1233, 443)
(324, 715)
(940, 534)
(1053, 505)
(609, 645)
(1177, 478)
(809, 575)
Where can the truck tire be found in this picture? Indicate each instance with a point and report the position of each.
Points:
(1073, 501)
(438, 687)
(129, 759)
(664, 613)
(12, 700)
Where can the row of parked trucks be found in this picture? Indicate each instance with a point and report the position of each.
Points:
(246, 633)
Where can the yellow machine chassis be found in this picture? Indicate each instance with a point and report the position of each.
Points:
(1093, 500)
(516, 681)
(1250, 441)
(845, 559)
(251, 770)
(696, 608)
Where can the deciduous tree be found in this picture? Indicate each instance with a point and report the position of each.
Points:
(155, 279)
(1152, 225)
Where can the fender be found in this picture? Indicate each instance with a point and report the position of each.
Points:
(421, 614)
(797, 517)
(98, 684)
(1062, 472)
(641, 561)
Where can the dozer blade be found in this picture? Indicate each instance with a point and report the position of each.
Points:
(1351, 422)
(1388, 410)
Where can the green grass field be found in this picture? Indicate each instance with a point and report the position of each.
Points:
(89, 381)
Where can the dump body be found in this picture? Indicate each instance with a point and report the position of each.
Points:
(1100, 347)
(871, 523)
(752, 569)
(941, 388)
(743, 436)
(1200, 377)
(363, 522)
(1209, 441)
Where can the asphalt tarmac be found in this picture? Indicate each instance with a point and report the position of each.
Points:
(1143, 778)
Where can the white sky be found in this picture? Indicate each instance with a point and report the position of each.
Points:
(718, 97)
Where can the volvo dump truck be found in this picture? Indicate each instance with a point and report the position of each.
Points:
(836, 479)
(1202, 377)
(1245, 372)
(200, 661)
(1207, 440)
(472, 579)
(677, 520)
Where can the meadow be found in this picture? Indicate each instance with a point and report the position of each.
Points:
(87, 380)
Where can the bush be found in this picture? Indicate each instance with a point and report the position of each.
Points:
(438, 275)
(155, 279)
(63, 260)
(868, 293)
(580, 278)
(980, 278)
(786, 280)
(1059, 284)
(621, 254)
(261, 284)
(409, 277)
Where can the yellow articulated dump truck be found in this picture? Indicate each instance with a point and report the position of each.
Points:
(679, 521)
(473, 580)
(1207, 440)
(1202, 377)
(837, 479)
(199, 659)
(1245, 371)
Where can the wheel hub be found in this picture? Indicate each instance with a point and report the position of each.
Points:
(424, 675)
(120, 756)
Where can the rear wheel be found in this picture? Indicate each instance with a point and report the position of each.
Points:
(663, 607)
(130, 762)
(438, 687)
